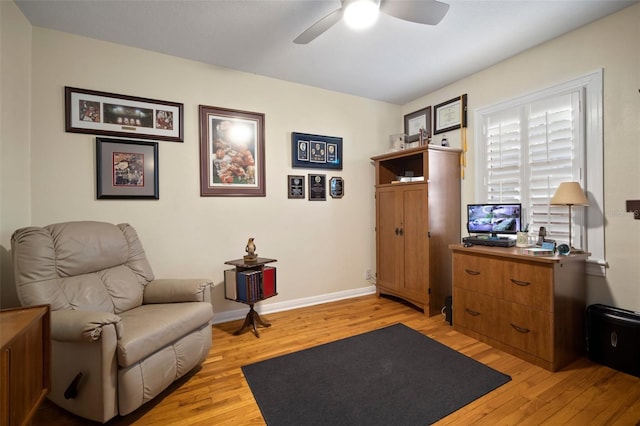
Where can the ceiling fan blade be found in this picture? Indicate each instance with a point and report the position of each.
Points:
(429, 12)
(319, 27)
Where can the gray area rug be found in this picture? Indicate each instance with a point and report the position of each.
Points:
(391, 376)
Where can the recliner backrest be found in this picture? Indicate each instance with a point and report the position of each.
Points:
(84, 265)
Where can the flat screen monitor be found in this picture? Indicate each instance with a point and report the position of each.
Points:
(494, 219)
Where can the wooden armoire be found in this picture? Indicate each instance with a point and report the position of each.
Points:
(417, 217)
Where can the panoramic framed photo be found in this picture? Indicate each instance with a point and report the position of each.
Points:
(110, 114)
(315, 151)
(450, 115)
(231, 153)
(415, 121)
(126, 169)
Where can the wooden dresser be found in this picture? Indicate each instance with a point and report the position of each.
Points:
(25, 362)
(532, 307)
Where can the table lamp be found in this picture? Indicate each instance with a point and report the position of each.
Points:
(570, 194)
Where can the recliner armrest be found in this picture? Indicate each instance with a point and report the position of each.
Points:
(82, 326)
(177, 290)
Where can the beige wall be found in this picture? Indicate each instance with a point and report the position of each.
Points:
(15, 131)
(609, 44)
(323, 248)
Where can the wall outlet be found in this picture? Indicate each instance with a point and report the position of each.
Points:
(369, 275)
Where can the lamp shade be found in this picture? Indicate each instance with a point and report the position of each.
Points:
(569, 194)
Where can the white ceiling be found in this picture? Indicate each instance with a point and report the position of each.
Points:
(395, 61)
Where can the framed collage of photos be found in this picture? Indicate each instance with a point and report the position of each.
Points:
(110, 114)
(316, 151)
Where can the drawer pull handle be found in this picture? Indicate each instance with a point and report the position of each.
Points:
(470, 312)
(520, 283)
(471, 272)
(520, 329)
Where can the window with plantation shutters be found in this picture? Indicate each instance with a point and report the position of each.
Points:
(529, 145)
(554, 155)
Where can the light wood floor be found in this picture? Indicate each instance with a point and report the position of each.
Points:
(583, 393)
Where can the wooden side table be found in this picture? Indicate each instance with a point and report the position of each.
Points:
(250, 282)
(25, 362)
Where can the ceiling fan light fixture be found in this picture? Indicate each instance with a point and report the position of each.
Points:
(360, 14)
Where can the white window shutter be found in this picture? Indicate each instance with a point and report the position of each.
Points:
(503, 156)
(553, 143)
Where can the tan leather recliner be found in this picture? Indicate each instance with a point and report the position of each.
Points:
(120, 333)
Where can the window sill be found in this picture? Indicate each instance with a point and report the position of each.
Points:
(597, 267)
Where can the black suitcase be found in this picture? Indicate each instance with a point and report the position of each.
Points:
(613, 338)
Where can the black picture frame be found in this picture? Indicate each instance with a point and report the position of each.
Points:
(316, 151)
(126, 169)
(296, 186)
(111, 114)
(317, 187)
(450, 115)
(413, 122)
(229, 166)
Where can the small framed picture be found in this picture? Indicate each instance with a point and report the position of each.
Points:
(126, 169)
(415, 121)
(296, 186)
(317, 187)
(336, 187)
(450, 115)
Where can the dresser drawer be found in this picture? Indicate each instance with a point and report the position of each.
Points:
(526, 329)
(475, 311)
(477, 273)
(528, 284)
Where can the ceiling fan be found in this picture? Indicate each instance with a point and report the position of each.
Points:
(428, 12)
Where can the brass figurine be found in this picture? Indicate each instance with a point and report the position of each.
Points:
(250, 248)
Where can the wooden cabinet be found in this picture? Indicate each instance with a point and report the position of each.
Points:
(25, 378)
(415, 223)
(402, 241)
(532, 307)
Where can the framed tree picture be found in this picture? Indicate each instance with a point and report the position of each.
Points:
(231, 153)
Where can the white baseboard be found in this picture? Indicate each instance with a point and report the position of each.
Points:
(237, 314)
